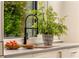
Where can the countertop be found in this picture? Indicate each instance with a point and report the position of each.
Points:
(56, 46)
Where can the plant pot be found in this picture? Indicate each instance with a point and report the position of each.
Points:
(48, 39)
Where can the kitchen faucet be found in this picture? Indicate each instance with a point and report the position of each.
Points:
(25, 31)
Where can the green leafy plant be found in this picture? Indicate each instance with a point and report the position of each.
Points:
(50, 23)
(13, 17)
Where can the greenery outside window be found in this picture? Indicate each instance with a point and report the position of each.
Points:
(14, 17)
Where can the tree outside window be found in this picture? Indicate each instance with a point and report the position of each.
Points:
(14, 15)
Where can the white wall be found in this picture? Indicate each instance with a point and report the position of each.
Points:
(56, 5)
(71, 9)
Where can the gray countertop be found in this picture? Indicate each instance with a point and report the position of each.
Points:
(56, 46)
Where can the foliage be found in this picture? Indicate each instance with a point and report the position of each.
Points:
(13, 17)
(51, 23)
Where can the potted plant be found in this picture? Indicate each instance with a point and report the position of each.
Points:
(49, 24)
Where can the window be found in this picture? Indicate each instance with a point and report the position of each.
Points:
(14, 17)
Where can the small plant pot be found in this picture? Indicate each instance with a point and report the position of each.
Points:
(48, 39)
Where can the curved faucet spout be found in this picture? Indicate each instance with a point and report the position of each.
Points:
(25, 31)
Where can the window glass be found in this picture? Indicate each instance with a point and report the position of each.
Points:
(14, 18)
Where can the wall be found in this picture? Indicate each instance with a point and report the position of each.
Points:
(71, 9)
(56, 5)
(1, 43)
(0, 20)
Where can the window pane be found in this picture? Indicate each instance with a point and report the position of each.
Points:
(14, 17)
(31, 32)
(15, 13)
(29, 22)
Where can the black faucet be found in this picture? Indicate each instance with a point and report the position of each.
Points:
(25, 31)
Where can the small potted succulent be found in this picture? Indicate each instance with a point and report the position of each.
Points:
(12, 45)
